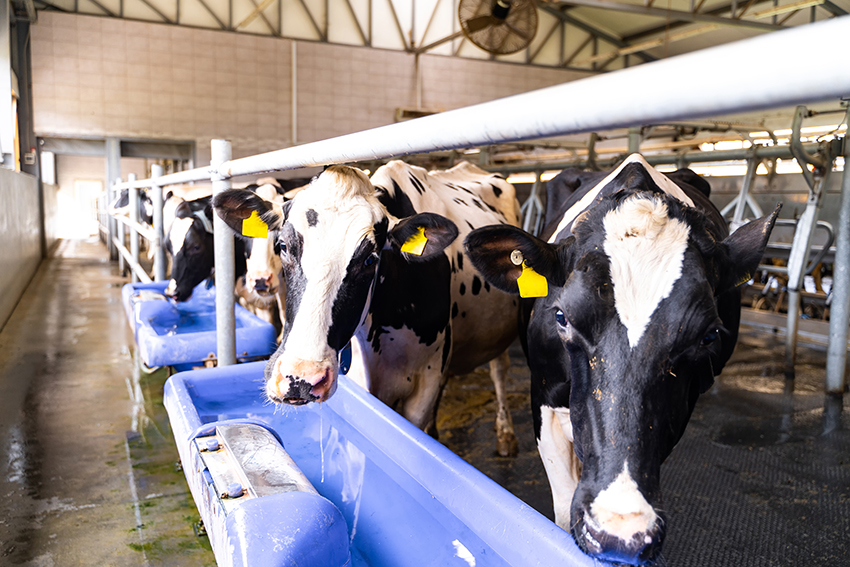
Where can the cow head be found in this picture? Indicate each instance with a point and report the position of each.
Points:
(190, 243)
(331, 238)
(634, 327)
(262, 281)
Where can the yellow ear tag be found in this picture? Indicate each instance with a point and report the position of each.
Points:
(531, 284)
(254, 226)
(415, 244)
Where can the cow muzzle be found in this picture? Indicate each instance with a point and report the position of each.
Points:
(312, 384)
(630, 537)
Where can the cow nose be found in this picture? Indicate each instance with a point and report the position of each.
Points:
(298, 390)
(260, 284)
(620, 538)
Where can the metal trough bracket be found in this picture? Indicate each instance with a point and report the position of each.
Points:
(246, 461)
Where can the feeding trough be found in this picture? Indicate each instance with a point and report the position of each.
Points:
(403, 498)
(183, 335)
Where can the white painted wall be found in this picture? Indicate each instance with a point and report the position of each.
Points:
(20, 252)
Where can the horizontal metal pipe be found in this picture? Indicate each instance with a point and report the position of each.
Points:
(139, 228)
(709, 82)
(128, 257)
(782, 152)
(197, 174)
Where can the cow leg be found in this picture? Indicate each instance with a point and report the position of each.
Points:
(506, 441)
(420, 406)
(560, 461)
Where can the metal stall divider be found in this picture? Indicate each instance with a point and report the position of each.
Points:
(592, 104)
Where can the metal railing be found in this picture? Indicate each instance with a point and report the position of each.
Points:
(712, 82)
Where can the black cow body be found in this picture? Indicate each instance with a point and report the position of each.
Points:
(642, 312)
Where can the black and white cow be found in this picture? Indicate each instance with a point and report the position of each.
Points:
(262, 287)
(189, 241)
(121, 205)
(411, 315)
(641, 313)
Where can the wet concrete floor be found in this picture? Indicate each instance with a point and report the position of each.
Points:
(87, 469)
(88, 461)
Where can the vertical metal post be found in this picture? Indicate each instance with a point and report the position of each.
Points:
(634, 140)
(7, 118)
(113, 171)
(225, 305)
(817, 181)
(839, 314)
(120, 233)
(134, 216)
(158, 228)
(294, 92)
(797, 259)
(532, 210)
(742, 199)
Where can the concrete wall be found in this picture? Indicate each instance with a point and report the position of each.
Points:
(105, 76)
(20, 243)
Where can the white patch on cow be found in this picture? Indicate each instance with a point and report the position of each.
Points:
(563, 468)
(462, 552)
(621, 510)
(659, 178)
(646, 248)
(177, 234)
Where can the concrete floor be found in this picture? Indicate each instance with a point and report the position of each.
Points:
(88, 461)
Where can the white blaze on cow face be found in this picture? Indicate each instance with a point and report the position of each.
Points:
(177, 234)
(646, 248)
(621, 510)
(333, 216)
(659, 178)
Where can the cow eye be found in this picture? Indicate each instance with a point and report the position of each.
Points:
(710, 337)
(371, 259)
(561, 318)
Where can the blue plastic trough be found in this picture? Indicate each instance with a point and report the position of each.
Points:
(390, 494)
(183, 334)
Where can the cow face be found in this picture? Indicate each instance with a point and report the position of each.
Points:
(330, 239)
(634, 327)
(190, 243)
(262, 281)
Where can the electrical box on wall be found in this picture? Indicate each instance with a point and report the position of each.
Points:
(404, 113)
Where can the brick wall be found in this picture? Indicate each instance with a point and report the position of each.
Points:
(109, 77)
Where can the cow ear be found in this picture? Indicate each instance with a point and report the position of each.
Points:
(499, 252)
(237, 205)
(421, 236)
(744, 250)
(183, 210)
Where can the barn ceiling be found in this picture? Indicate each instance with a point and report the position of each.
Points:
(591, 35)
